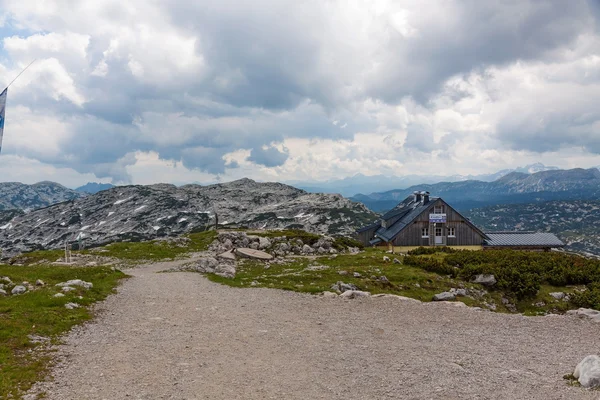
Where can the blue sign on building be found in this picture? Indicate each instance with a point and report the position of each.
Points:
(437, 218)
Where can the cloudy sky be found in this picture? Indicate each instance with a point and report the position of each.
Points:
(144, 91)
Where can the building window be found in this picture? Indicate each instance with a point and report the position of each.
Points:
(425, 232)
(438, 209)
(451, 232)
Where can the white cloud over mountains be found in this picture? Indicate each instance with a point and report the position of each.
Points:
(180, 91)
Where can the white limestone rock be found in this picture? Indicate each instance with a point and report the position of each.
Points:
(71, 306)
(18, 289)
(444, 296)
(485, 279)
(76, 282)
(354, 294)
(587, 372)
(594, 315)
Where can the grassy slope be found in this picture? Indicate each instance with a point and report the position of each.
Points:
(39, 313)
(405, 280)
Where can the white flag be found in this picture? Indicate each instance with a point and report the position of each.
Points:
(2, 108)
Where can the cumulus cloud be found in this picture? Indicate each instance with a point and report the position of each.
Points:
(269, 156)
(293, 90)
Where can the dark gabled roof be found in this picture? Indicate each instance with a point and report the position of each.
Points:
(403, 215)
(523, 239)
(371, 226)
(411, 211)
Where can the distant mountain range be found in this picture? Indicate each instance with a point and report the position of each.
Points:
(360, 183)
(148, 212)
(14, 195)
(93, 187)
(513, 188)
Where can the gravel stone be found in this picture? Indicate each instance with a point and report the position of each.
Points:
(180, 336)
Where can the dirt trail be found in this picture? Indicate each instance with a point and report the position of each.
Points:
(179, 336)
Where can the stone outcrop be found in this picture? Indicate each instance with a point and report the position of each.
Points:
(485, 279)
(133, 213)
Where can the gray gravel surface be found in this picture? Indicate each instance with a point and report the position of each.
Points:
(179, 336)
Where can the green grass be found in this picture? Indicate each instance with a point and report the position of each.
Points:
(36, 257)
(155, 250)
(301, 275)
(23, 362)
(128, 251)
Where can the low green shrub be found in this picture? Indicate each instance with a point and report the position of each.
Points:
(589, 298)
(419, 251)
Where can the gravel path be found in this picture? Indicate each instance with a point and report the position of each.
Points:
(179, 336)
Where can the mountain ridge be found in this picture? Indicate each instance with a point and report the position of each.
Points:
(139, 212)
(514, 187)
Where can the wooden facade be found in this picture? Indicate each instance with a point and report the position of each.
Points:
(456, 231)
(465, 234)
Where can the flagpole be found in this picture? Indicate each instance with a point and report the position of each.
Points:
(17, 77)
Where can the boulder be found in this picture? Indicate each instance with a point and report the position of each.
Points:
(76, 282)
(343, 272)
(254, 254)
(558, 295)
(70, 306)
(59, 295)
(40, 282)
(384, 279)
(587, 372)
(386, 259)
(354, 294)
(321, 250)
(67, 289)
(594, 315)
(18, 289)
(307, 249)
(263, 243)
(228, 244)
(225, 270)
(343, 287)
(444, 296)
(5, 279)
(3, 292)
(396, 261)
(357, 275)
(458, 292)
(333, 251)
(228, 255)
(254, 246)
(328, 294)
(485, 279)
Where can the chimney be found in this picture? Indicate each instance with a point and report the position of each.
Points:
(425, 197)
(417, 196)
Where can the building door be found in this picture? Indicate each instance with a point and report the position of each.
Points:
(439, 239)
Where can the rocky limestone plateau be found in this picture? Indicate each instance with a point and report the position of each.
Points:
(138, 213)
(14, 195)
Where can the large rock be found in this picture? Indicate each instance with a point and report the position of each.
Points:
(587, 372)
(485, 279)
(354, 294)
(225, 270)
(444, 296)
(594, 315)
(18, 289)
(76, 282)
(340, 286)
(263, 243)
(307, 249)
(3, 292)
(254, 254)
(209, 264)
(558, 295)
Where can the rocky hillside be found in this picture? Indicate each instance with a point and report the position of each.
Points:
(513, 188)
(14, 195)
(575, 222)
(147, 212)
